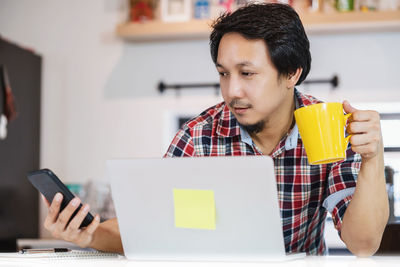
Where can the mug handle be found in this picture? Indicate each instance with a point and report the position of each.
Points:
(347, 139)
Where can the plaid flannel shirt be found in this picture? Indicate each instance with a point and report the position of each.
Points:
(305, 192)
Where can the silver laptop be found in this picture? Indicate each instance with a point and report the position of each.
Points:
(198, 209)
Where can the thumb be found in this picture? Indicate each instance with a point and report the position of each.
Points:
(347, 107)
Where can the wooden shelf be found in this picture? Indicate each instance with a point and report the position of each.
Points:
(314, 23)
(157, 30)
(351, 22)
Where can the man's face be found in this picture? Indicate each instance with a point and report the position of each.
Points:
(249, 81)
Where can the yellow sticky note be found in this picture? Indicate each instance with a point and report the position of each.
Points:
(194, 208)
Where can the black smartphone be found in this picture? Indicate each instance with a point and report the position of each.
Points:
(49, 185)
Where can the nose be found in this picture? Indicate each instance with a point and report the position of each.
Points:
(234, 87)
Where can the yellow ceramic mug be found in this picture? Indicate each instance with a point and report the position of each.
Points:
(322, 130)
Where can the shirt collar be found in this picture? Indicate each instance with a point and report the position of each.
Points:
(245, 136)
(291, 140)
(229, 127)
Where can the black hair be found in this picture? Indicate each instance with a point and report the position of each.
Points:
(278, 25)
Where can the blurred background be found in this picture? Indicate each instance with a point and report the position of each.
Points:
(93, 80)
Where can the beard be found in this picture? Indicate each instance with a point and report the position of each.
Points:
(250, 128)
(253, 128)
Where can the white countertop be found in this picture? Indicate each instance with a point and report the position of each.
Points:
(328, 261)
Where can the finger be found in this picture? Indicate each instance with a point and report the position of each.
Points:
(45, 201)
(372, 129)
(54, 210)
(361, 139)
(365, 150)
(357, 127)
(78, 219)
(86, 235)
(364, 115)
(93, 225)
(347, 107)
(65, 215)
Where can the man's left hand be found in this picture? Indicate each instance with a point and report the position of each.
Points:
(365, 127)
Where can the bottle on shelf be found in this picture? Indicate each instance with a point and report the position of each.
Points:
(201, 9)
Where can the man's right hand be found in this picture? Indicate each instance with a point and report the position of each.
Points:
(57, 222)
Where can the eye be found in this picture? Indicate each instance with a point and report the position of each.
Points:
(222, 74)
(248, 74)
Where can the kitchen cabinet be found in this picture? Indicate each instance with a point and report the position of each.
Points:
(20, 148)
(314, 23)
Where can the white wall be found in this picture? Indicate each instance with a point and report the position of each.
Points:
(99, 92)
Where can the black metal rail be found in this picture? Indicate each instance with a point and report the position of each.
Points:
(334, 81)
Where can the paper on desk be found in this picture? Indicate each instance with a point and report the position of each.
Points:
(194, 208)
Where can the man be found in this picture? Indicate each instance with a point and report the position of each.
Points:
(261, 52)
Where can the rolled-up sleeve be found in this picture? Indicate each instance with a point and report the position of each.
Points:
(342, 181)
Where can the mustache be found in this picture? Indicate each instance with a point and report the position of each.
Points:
(236, 103)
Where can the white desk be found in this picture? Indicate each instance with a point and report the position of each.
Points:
(329, 261)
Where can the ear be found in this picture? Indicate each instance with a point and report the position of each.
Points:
(292, 78)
